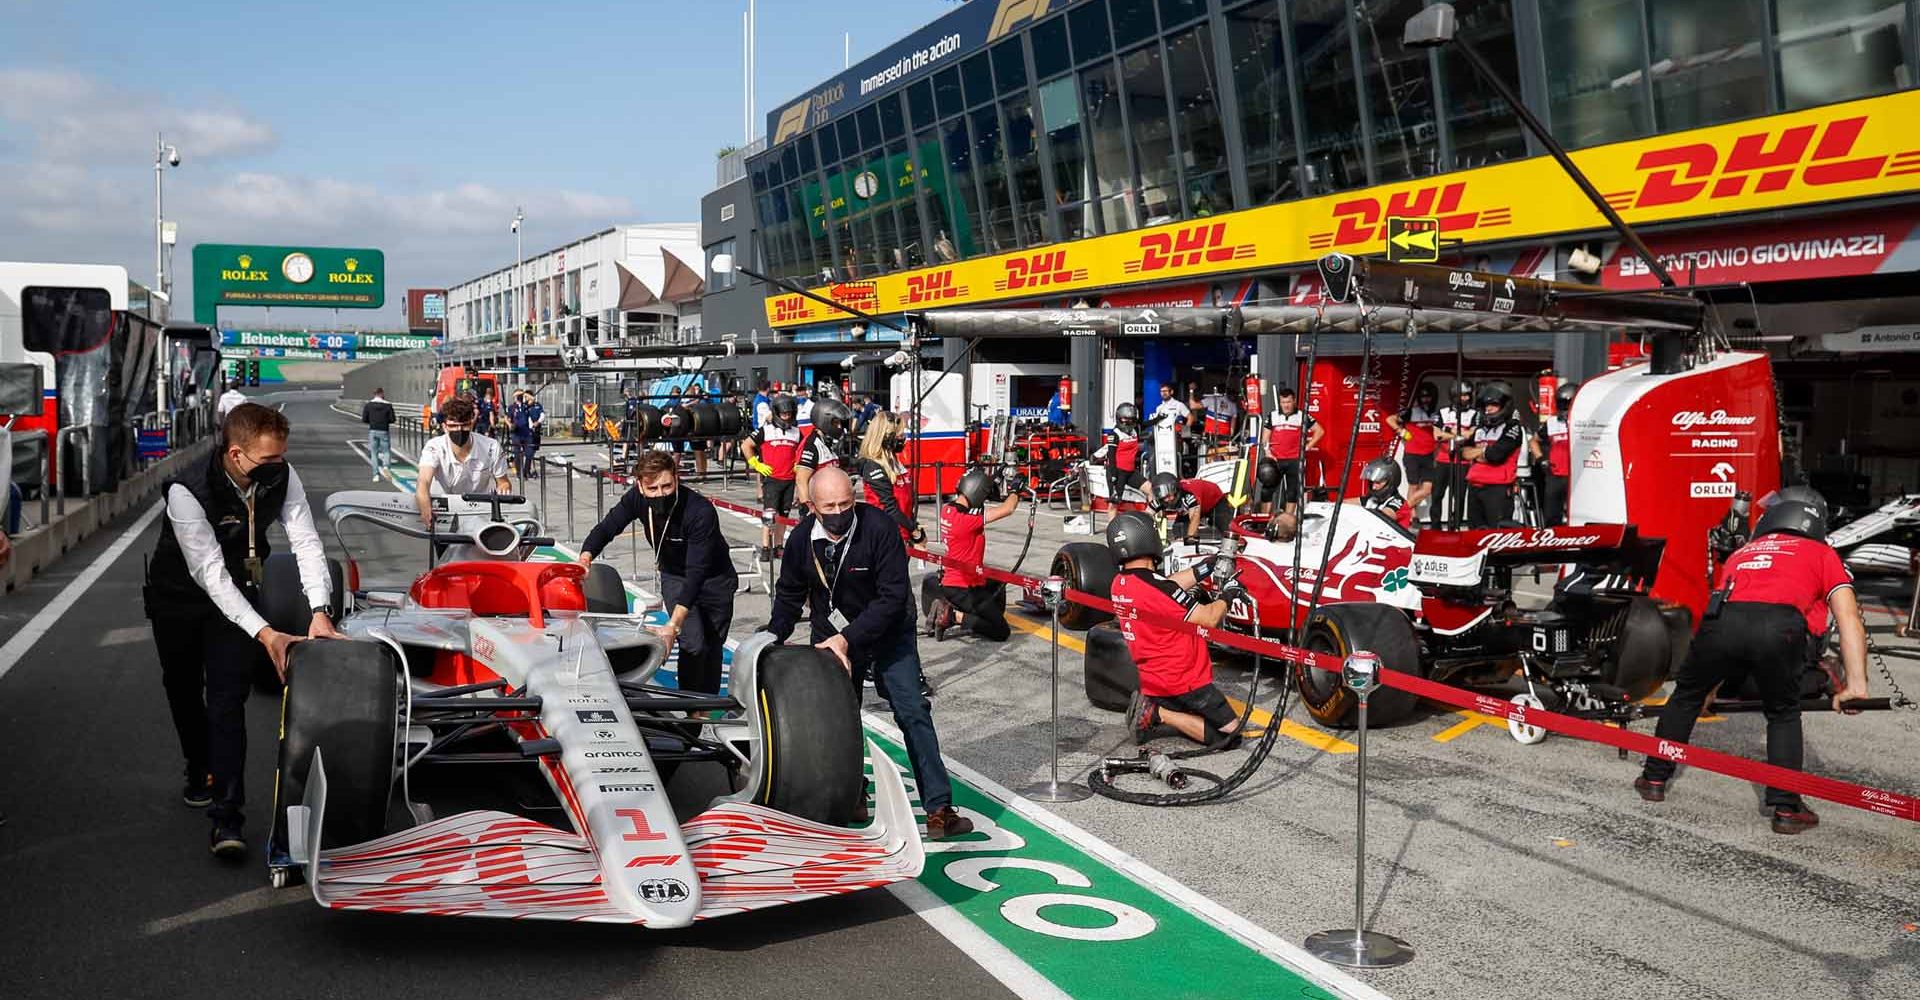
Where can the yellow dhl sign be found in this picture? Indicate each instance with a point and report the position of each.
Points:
(1853, 150)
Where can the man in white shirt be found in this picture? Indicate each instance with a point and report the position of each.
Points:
(203, 595)
(228, 400)
(459, 461)
(1175, 415)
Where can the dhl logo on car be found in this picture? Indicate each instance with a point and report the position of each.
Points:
(1191, 246)
(1040, 270)
(934, 286)
(1820, 154)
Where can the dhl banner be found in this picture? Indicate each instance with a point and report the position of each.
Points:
(1842, 151)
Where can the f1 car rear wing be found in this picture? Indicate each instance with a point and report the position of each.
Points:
(1461, 558)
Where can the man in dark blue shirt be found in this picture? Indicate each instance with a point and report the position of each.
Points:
(523, 418)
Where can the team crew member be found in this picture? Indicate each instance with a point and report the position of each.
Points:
(486, 415)
(697, 578)
(1767, 619)
(1382, 479)
(1123, 452)
(1173, 412)
(1415, 425)
(1554, 443)
(1290, 433)
(1455, 433)
(848, 567)
(459, 461)
(203, 597)
(762, 404)
(888, 483)
(228, 400)
(1184, 500)
(803, 396)
(1176, 671)
(1494, 459)
(960, 596)
(377, 414)
(830, 444)
(523, 417)
(772, 451)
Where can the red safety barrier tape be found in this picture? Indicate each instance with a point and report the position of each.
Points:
(1845, 793)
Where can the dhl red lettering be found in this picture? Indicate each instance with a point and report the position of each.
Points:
(1037, 271)
(1750, 153)
(641, 830)
(931, 287)
(1698, 159)
(654, 861)
(1359, 219)
(1418, 202)
(1836, 142)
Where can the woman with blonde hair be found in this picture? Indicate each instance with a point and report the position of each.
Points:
(888, 481)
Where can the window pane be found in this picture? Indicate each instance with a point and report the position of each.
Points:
(946, 92)
(803, 247)
(998, 195)
(807, 163)
(1837, 50)
(829, 146)
(1009, 66)
(1100, 112)
(1595, 58)
(790, 161)
(1132, 21)
(886, 235)
(920, 104)
(1484, 128)
(1203, 144)
(893, 119)
(1406, 142)
(1173, 13)
(1152, 131)
(1089, 24)
(1050, 55)
(1266, 110)
(943, 208)
(1332, 156)
(1023, 157)
(869, 119)
(977, 77)
(849, 138)
(1708, 66)
(963, 202)
(1060, 110)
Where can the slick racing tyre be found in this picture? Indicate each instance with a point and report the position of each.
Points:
(284, 600)
(1641, 659)
(1111, 677)
(677, 421)
(1087, 567)
(647, 423)
(605, 594)
(342, 696)
(1339, 629)
(730, 421)
(810, 724)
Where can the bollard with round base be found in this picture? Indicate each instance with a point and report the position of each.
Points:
(1052, 593)
(1356, 947)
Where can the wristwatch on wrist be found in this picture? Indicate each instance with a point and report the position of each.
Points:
(323, 610)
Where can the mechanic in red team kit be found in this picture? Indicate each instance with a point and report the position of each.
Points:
(1382, 479)
(830, 446)
(1183, 502)
(1123, 451)
(1289, 431)
(1767, 617)
(1176, 672)
(1415, 425)
(1554, 443)
(772, 450)
(1494, 459)
(958, 596)
(1454, 431)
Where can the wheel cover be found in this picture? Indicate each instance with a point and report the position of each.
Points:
(1323, 685)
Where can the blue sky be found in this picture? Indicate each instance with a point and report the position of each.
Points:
(414, 126)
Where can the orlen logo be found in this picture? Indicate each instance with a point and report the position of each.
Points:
(1189, 246)
(1539, 538)
(1362, 220)
(1038, 271)
(1818, 153)
(937, 286)
(1687, 420)
(791, 308)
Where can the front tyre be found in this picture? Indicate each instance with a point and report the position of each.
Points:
(814, 759)
(1339, 629)
(343, 695)
(1089, 568)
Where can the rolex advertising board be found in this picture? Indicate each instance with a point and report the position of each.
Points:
(226, 274)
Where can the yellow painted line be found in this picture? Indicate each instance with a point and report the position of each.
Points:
(1261, 718)
(1470, 722)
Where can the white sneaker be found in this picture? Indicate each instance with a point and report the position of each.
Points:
(376, 477)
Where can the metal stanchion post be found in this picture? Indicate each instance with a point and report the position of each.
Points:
(1357, 947)
(569, 500)
(540, 462)
(1053, 592)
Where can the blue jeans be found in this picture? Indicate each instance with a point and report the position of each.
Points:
(380, 451)
(895, 664)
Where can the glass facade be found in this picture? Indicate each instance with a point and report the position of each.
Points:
(1117, 114)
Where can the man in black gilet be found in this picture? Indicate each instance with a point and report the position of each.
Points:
(203, 596)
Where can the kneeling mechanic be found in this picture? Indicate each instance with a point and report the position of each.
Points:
(1176, 670)
(959, 595)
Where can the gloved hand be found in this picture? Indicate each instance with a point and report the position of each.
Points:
(1233, 592)
(918, 535)
(761, 467)
(1406, 435)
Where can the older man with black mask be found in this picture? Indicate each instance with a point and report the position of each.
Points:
(846, 563)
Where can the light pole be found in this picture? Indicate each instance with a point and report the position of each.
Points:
(164, 156)
(519, 261)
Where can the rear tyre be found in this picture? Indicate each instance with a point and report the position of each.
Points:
(1087, 567)
(605, 594)
(1111, 676)
(1643, 657)
(1339, 629)
(810, 727)
(344, 697)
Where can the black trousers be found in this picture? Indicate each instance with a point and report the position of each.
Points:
(703, 636)
(1448, 503)
(207, 666)
(1489, 506)
(985, 606)
(1554, 490)
(1767, 642)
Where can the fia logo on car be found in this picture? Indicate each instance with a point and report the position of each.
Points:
(663, 890)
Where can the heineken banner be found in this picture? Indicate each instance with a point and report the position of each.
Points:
(364, 344)
(324, 277)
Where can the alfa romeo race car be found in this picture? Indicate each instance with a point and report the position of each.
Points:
(536, 674)
(1441, 604)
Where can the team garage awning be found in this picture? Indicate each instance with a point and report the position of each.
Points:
(646, 283)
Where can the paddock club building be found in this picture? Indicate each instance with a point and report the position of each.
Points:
(1134, 152)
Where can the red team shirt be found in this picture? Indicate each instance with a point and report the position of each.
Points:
(1484, 473)
(1200, 493)
(966, 534)
(1126, 450)
(1285, 432)
(1171, 663)
(1418, 422)
(779, 447)
(1559, 445)
(1787, 569)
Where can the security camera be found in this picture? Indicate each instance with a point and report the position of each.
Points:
(173, 157)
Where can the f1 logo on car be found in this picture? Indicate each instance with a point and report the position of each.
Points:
(663, 890)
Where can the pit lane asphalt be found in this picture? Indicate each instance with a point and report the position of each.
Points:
(109, 890)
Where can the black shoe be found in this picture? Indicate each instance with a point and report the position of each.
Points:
(228, 843)
(1651, 790)
(198, 791)
(1793, 821)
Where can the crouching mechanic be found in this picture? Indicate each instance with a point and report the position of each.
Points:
(1382, 479)
(697, 578)
(959, 595)
(1770, 607)
(1176, 671)
(203, 597)
(1184, 502)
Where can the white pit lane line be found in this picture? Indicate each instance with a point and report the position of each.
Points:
(42, 623)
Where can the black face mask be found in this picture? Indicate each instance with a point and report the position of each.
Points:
(838, 524)
(269, 475)
(896, 445)
(659, 511)
(460, 438)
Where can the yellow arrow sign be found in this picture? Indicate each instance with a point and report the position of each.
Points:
(1413, 239)
(1238, 498)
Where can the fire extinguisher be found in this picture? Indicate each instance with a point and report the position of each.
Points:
(1252, 395)
(1548, 385)
(1066, 392)
(846, 387)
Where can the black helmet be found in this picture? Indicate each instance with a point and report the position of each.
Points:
(831, 417)
(1126, 415)
(1132, 536)
(1495, 394)
(785, 408)
(1793, 517)
(976, 487)
(1267, 473)
(1163, 491)
(1426, 390)
(1463, 388)
(1383, 475)
(1795, 494)
(1563, 398)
